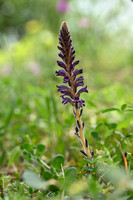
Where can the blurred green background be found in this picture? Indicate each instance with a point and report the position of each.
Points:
(30, 107)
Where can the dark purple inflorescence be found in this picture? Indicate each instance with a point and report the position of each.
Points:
(67, 54)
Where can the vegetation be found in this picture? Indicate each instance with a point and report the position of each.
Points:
(40, 155)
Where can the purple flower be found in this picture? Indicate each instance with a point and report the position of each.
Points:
(81, 103)
(61, 49)
(79, 79)
(66, 79)
(61, 87)
(62, 6)
(77, 72)
(61, 55)
(79, 84)
(82, 90)
(67, 100)
(73, 65)
(67, 93)
(60, 73)
(61, 64)
(72, 59)
(73, 52)
(69, 73)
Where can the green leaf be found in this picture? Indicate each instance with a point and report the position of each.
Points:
(88, 160)
(107, 140)
(110, 110)
(99, 145)
(58, 161)
(53, 188)
(119, 135)
(130, 110)
(89, 169)
(123, 107)
(71, 173)
(95, 135)
(40, 148)
(27, 146)
(112, 126)
(14, 156)
(47, 175)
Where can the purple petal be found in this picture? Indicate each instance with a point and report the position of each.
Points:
(60, 49)
(76, 98)
(69, 45)
(66, 93)
(82, 90)
(67, 38)
(72, 59)
(77, 71)
(60, 73)
(79, 79)
(79, 84)
(73, 52)
(61, 43)
(61, 64)
(61, 87)
(81, 103)
(73, 65)
(66, 79)
(72, 48)
(61, 55)
(67, 100)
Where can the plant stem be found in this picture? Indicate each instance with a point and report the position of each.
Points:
(124, 157)
(81, 133)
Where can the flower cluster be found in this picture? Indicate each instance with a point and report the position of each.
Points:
(70, 93)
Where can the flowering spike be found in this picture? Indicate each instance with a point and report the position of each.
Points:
(69, 73)
(70, 94)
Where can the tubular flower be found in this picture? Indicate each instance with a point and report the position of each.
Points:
(68, 71)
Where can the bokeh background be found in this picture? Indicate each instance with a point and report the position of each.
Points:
(30, 107)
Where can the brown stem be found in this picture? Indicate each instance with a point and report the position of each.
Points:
(124, 157)
(81, 133)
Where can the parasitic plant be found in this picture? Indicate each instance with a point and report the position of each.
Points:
(69, 92)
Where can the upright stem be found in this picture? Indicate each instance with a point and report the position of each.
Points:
(81, 133)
